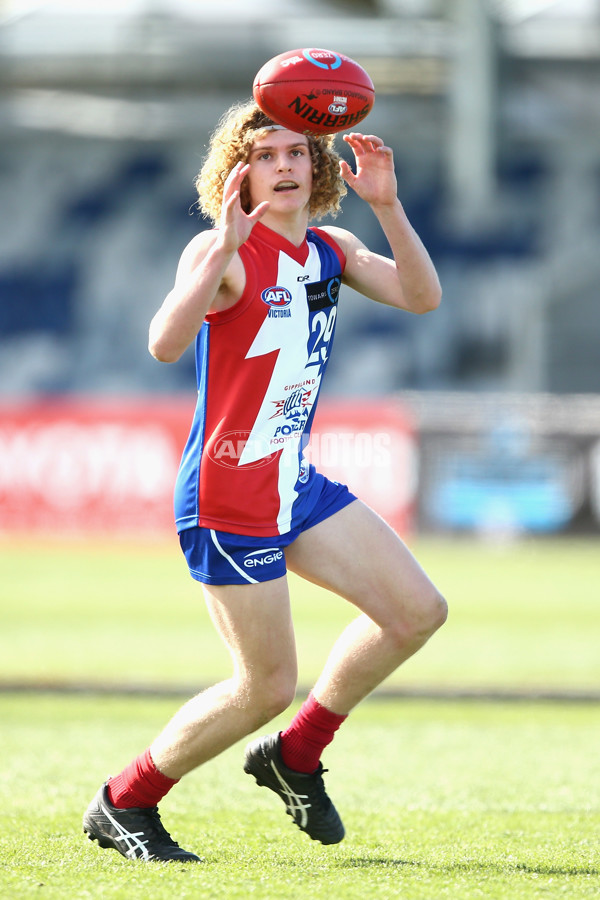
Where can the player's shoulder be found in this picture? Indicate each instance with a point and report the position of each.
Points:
(195, 251)
(346, 240)
(233, 280)
(198, 246)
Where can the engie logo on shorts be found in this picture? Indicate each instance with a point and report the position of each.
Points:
(228, 450)
(259, 558)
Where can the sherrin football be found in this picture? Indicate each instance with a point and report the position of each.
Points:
(314, 91)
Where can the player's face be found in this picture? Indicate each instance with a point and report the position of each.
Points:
(281, 171)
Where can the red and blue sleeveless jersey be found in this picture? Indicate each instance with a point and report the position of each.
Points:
(260, 366)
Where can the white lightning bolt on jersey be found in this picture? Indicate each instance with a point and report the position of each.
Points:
(282, 334)
(260, 366)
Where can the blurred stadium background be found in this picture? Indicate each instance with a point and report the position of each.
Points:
(482, 418)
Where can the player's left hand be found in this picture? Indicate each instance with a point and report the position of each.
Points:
(375, 178)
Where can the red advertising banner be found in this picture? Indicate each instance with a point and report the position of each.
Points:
(85, 466)
(372, 447)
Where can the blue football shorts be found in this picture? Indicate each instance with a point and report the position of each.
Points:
(218, 557)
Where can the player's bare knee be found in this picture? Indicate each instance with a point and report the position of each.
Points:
(436, 610)
(271, 695)
(433, 615)
(433, 611)
(281, 696)
(416, 625)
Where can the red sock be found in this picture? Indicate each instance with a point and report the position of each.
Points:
(311, 730)
(139, 784)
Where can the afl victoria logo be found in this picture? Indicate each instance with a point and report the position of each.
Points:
(276, 297)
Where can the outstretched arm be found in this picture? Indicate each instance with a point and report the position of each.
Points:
(409, 281)
(206, 276)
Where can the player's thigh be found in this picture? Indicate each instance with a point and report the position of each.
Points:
(358, 556)
(255, 622)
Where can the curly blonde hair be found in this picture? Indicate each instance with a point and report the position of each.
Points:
(231, 142)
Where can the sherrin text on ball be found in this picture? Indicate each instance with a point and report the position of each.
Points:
(314, 91)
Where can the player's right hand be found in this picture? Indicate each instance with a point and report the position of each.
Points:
(236, 225)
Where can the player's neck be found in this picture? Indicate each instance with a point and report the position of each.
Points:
(291, 227)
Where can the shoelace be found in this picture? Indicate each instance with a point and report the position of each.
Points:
(158, 829)
(320, 783)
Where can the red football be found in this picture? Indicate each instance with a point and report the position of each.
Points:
(314, 91)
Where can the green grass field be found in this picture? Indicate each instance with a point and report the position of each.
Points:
(441, 798)
(524, 616)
